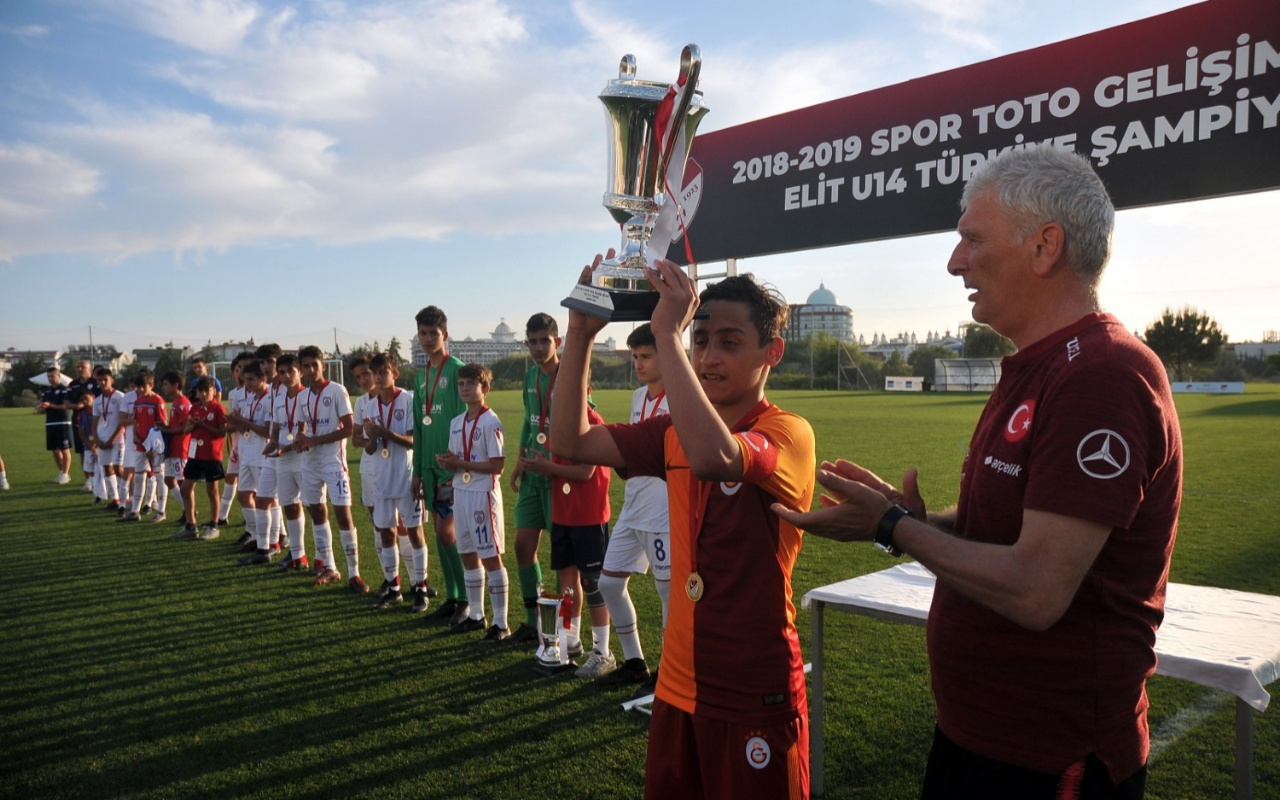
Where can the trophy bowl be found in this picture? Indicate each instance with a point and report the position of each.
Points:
(650, 128)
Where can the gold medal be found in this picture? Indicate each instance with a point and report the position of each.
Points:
(566, 488)
(427, 420)
(541, 438)
(386, 452)
(288, 437)
(245, 434)
(199, 442)
(466, 477)
(694, 587)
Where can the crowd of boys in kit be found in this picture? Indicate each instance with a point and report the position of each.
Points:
(434, 454)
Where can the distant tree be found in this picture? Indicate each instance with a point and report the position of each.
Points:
(980, 341)
(169, 360)
(393, 350)
(894, 365)
(1185, 339)
(1274, 360)
(208, 353)
(19, 380)
(922, 360)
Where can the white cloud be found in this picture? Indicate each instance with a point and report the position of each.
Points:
(25, 31)
(209, 26)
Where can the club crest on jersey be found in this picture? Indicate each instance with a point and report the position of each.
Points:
(328, 401)
(758, 753)
(1019, 424)
(479, 517)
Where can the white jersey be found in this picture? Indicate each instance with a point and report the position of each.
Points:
(106, 413)
(287, 413)
(368, 463)
(235, 400)
(256, 409)
(393, 476)
(127, 401)
(484, 440)
(644, 503)
(322, 412)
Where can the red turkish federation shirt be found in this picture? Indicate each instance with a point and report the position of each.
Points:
(205, 445)
(1082, 424)
(585, 502)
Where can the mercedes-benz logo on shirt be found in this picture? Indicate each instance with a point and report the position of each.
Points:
(1103, 454)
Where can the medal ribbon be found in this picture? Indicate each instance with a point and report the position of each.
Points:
(544, 403)
(288, 412)
(315, 410)
(431, 396)
(253, 412)
(466, 440)
(645, 413)
(701, 490)
(386, 421)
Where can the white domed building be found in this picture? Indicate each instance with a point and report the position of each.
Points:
(821, 313)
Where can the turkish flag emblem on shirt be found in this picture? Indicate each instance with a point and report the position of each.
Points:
(1020, 421)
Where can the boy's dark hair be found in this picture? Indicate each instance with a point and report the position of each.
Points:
(144, 377)
(265, 351)
(252, 368)
(204, 384)
(642, 337)
(478, 373)
(310, 351)
(197, 359)
(768, 308)
(380, 360)
(359, 359)
(173, 378)
(242, 356)
(102, 372)
(433, 316)
(542, 322)
(287, 361)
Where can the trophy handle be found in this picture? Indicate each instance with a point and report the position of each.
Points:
(627, 67)
(690, 69)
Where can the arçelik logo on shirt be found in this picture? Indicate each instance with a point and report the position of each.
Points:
(1003, 467)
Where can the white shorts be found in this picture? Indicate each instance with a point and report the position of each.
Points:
(386, 509)
(477, 520)
(631, 550)
(146, 461)
(248, 478)
(267, 482)
(89, 461)
(366, 482)
(112, 455)
(173, 467)
(233, 461)
(336, 479)
(288, 488)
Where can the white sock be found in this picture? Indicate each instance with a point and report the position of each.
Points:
(228, 494)
(498, 589)
(297, 542)
(151, 490)
(664, 591)
(418, 570)
(275, 527)
(352, 550)
(324, 544)
(600, 639)
(406, 554)
(473, 579)
(389, 557)
(622, 612)
(122, 489)
(139, 491)
(575, 630)
(262, 526)
(250, 515)
(100, 484)
(177, 498)
(162, 497)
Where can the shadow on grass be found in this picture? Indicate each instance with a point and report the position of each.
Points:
(1254, 408)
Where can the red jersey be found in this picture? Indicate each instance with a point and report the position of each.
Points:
(148, 412)
(575, 503)
(206, 445)
(1081, 424)
(734, 655)
(178, 416)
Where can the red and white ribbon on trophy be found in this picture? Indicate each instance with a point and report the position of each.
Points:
(671, 214)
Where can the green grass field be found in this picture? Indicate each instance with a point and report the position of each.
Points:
(137, 667)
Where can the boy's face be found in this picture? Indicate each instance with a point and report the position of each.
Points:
(268, 369)
(291, 376)
(312, 371)
(381, 378)
(252, 383)
(432, 338)
(364, 376)
(107, 382)
(645, 359)
(199, 369)
(167, 389)
(471, 390)
(727, 356)
(206, 396)
(542, 346)
(145, 389)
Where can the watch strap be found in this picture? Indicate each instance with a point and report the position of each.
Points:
(884, 528)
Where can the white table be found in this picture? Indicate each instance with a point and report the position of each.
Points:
(1218, 638)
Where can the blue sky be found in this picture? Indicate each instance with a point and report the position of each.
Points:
(194, 170)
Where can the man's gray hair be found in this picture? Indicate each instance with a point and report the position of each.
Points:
(1043, 184)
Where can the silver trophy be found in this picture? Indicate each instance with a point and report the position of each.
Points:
(638, 161)
(555, 615)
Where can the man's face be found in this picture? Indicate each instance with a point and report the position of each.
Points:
(645, 360)
(727, 355)
(84, 369)
(432, 339)
(291, 376)
(312, 371)
(200, 369)
(991, 261)
(381, 378)
(55, 377)
(363, 376)
(542, 346)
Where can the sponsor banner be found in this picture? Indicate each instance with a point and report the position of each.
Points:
(1174, 107)
(1208, 387)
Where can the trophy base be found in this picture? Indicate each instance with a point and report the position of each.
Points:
(612, 305)
(543, 668)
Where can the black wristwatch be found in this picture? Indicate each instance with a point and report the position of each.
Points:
(884, 529)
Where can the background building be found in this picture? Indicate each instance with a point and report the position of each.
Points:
(821, 313)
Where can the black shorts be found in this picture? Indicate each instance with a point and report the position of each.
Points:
(580, 546)
(57, 437)
(198, 469)
(79, 441)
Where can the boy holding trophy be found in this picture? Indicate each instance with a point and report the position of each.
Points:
(727, 455)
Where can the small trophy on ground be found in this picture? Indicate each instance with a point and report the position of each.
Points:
(555, 615)
(651, 127)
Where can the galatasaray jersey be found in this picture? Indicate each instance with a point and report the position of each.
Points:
(323, 411)
(393, 475)
(484, 440)
(734, 655)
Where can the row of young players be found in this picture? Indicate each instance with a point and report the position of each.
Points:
(286, 451)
